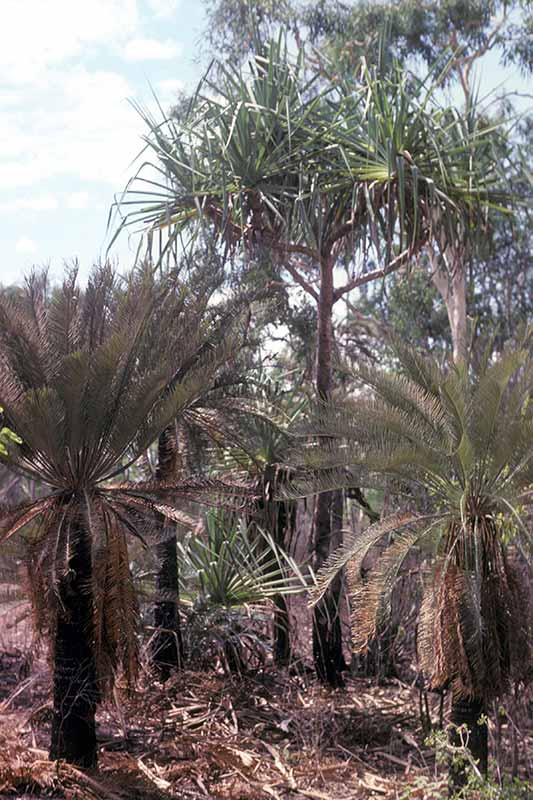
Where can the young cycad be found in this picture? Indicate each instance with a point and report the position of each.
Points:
(459, 442)
(88, 380)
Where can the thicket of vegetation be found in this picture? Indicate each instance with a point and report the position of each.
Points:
(271, 484)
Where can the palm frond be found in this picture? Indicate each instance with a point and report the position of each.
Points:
(468, 458)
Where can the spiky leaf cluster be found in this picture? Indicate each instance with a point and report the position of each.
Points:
(88, 380)
(234, 566)
(267, 159)
(460, 441)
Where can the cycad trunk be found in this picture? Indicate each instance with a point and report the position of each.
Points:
(466, 713)
(277, 518)
(167, 643)
(327, 635)
(281, 632)
(75, 690)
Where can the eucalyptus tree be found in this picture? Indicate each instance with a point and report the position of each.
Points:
(316, 179)
(347, 30)
(457, 443)
(88, 383)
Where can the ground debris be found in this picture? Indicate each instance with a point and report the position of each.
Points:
(203, 735)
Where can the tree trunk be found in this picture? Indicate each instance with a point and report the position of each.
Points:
(276, 517)
(451, 285)
(327, 635)
(467, 712)
(281, 626)
(167, 643)
(75, 690)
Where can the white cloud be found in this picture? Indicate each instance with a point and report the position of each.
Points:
(46, 202)
(36, 35)
(93, 133)
(25, 245)
(77, 200)
(61, 116)
(38, 202)
(151, 50)
(164, 8)
(68, 136)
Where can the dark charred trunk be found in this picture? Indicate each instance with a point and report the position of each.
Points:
(281, 628)
(466, 713)
(327, 634)
(75, 690)
(278, 518)
(167, 642)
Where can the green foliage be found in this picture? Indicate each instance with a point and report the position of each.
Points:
(423, 31)
(231, 572)
(458, 443)
(475, 787)
(89, 380)
(271, 163)
(392, 307)
(7, 438)
(233, 567)
(235, 26)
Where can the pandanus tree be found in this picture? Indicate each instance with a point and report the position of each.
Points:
(314, 179)
(88, 382)
(457, 444)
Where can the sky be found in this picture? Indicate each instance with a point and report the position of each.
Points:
(68, 133)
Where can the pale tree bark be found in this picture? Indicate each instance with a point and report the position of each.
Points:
(449, 278)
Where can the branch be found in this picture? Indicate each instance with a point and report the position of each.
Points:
(464, 64)
(393, 266)
(306, 286)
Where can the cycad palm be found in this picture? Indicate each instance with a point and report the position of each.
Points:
(459, 443)
(88, 381)
(204, 419)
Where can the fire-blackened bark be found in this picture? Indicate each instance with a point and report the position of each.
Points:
(284, 521)
(167, 643)
(278, 518)
(327, 636)
(468, 717)
(75, 690)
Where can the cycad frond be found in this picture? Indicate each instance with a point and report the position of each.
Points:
(468, 456)
(356, 547)
(371, 599)
(89, 379)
